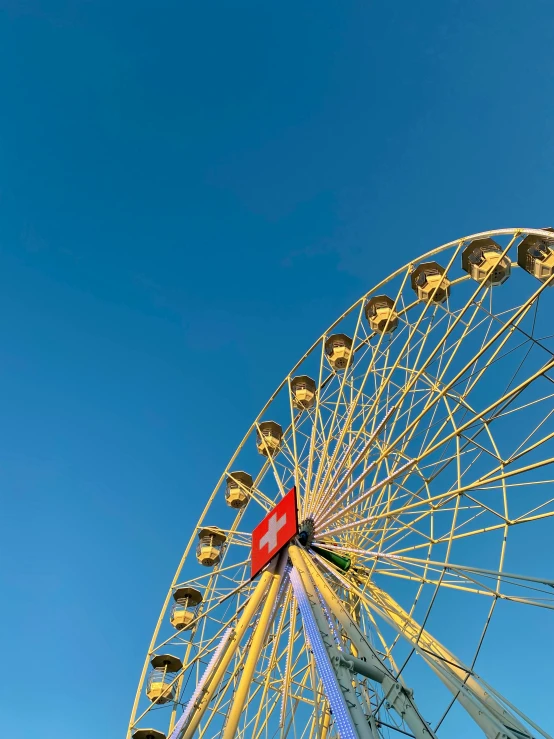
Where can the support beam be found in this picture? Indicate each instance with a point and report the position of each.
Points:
(463, 568)
(487, 711)
(400, 698)
(212, 681)
(326, 724)
(254, 652)
(349, 718)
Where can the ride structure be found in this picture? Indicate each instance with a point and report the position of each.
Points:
(416, 437)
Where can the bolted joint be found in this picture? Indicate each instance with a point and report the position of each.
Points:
(397, 696)
(353, 664)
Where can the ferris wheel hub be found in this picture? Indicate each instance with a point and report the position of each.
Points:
(306, 532)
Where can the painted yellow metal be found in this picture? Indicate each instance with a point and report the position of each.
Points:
(414, 329)
(274, 657)
(256, 644)
(183, 613)
(326, 724)
(160, 692)
(161, 681)
(482, 259)
(381, 314)
(134, 719)
(178, 687)
(381, 520)
(535, 254)
(321, 483)
(317, 488)
(439, 658)
(238, 489)
(339, 351)
(303, 563)
(269, 438)
(148, 734)
(430, 282)
(210, 542)
(220, 669)
(303, 390)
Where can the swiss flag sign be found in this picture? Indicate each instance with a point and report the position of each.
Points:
(276, 530)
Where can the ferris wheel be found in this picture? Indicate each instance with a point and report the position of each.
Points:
(353, 557)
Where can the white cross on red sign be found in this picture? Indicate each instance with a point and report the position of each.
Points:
(276, 530)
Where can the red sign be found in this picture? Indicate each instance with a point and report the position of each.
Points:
(276, 530)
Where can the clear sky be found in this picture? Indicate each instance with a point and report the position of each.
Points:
(189, 194)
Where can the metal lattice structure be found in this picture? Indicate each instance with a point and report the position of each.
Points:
(419, 434)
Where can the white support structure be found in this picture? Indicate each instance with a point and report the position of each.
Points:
(346, 665)
(336, 678)
(490, 712)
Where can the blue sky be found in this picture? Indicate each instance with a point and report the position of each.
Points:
(189, 194)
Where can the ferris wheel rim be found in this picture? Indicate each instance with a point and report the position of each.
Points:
(360, 302)
(381, 284)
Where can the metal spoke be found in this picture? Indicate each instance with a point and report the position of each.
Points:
(414, 463)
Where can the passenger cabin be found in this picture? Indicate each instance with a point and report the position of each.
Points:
(483, 261)
(430, 282)
(338, 348)
(535, 255)
(183, 613)
(268, 438)
(380, 314)
(238, 489)
(147, 734)
(210, 544)
(160, 687)
(303, 391)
